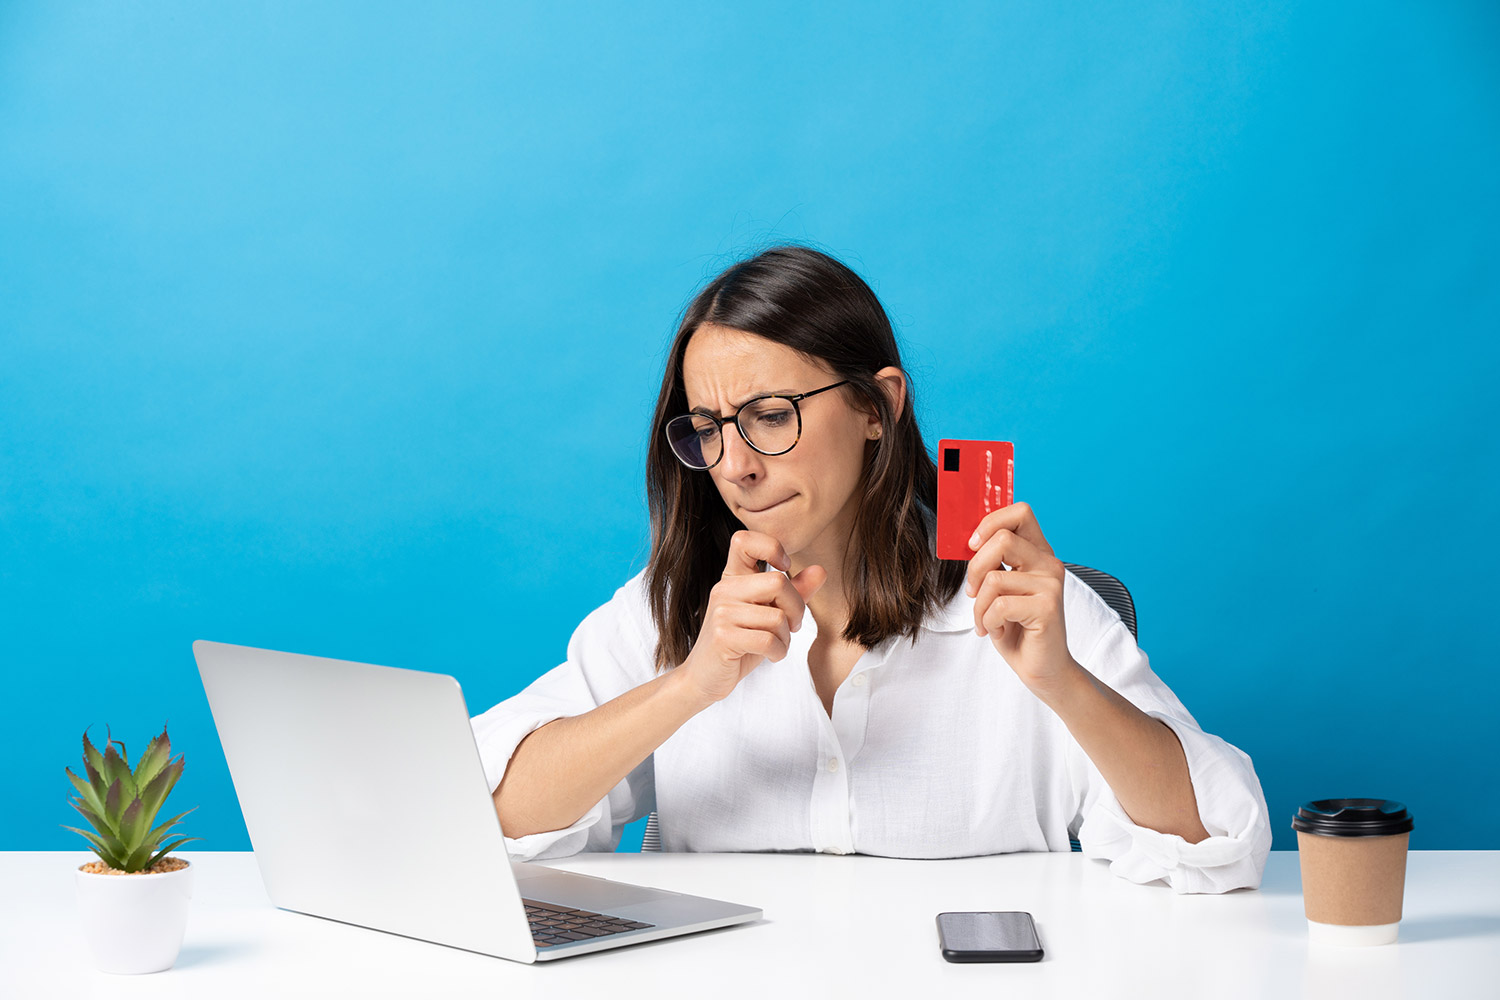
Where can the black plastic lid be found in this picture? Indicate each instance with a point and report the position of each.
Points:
(1353, 818)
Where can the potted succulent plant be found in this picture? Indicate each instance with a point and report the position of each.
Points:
(134, 899)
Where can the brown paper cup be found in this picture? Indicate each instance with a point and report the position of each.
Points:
(1352, 887)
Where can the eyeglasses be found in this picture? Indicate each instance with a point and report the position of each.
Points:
(771, 424)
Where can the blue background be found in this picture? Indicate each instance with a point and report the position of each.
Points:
(337, 328)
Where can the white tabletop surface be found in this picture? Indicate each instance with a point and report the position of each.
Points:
(834, 927)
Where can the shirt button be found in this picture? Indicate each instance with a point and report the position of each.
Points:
(833, 763)
(859, 680)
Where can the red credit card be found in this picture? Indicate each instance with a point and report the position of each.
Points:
(974, 478)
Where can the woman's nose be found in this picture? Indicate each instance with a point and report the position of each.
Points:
(739, 458)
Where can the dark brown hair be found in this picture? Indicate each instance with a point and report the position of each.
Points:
(803, 299)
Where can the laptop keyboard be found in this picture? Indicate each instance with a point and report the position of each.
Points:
(552, 924)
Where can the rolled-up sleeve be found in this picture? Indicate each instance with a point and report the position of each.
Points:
(1231, 805)
(608, 654)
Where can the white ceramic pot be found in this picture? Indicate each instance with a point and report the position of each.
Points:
(134, 923)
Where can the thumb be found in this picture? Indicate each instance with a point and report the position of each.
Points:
(809, 580)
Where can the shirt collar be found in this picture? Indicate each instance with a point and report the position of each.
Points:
(955, 616)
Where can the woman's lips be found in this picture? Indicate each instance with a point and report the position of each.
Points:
(762, 510)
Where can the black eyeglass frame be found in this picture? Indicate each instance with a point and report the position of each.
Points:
(795, 400)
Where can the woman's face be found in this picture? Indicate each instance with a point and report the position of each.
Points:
(804, 498)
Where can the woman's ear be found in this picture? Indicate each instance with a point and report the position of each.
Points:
(893, 381)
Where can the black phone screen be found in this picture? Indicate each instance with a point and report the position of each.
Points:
(989, 936)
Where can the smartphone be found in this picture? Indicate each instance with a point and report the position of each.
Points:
(989, 936)
(974, 478)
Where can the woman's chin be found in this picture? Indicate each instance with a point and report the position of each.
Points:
(782, 522)
(782, 533)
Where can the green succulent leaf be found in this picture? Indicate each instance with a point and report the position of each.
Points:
(156, 835)
(87, 792)
(133, 825)
(117, 768)
(92, 759)
(137, 859)
(170, 847)
(96, 778)
(95, 820)
(100, 847)
(158, 753)
(113, 804)
(108, 848)
(116, 849)
(154, 794)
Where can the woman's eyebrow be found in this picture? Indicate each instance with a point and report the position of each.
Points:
(740, 406)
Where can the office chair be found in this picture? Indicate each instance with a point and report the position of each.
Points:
(1112, 590)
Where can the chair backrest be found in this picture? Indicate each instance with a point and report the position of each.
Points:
(1111, 589)
(1108, 587)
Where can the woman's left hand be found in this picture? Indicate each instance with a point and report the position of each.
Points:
(1020, 609)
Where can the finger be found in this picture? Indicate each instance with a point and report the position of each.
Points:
(998, 584)
(752, 642)
(790, 600)
(758, 617)
(1008, 548)
(1026, 610)
(749, 548)
(809, 581)
(769, 588)
(1019, 518)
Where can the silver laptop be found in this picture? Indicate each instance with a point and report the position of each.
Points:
(366, 802)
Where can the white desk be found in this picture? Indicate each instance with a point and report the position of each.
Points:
(834, 927)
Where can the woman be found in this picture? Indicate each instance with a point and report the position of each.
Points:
(795, 669)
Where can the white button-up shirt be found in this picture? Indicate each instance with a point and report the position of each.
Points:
(934, 750)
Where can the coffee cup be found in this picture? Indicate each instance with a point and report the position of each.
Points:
(1353, 857)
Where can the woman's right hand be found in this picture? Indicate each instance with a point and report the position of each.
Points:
(751, 615)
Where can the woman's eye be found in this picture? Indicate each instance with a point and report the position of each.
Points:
(772, 419)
